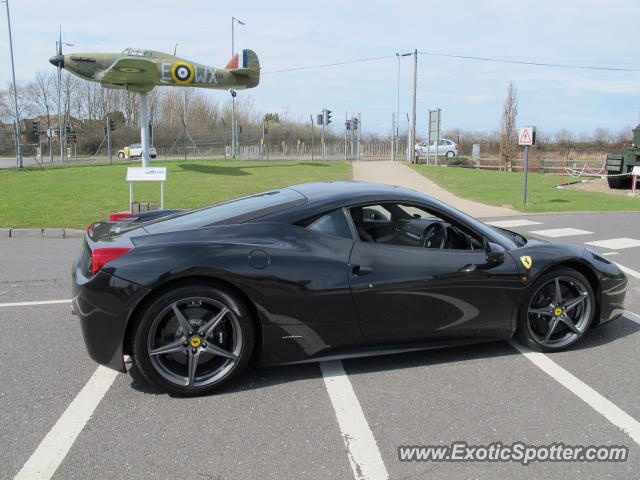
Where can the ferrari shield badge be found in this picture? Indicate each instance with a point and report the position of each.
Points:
(526, 261)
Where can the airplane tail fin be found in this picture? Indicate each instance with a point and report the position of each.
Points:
(246, 64)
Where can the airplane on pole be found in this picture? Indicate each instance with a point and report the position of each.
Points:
(141, 71)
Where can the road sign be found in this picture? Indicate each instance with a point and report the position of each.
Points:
(71, 138)
(147, 174)
(434, 131)
(636, 170)
(527, 136)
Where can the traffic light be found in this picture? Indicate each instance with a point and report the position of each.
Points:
(112, 124)
(36, 127)
(104, 129)
(319, 119)
(266, 130)
(327, 116)
(348, 124)
(355, 123)
(67, 129)
(239, 128)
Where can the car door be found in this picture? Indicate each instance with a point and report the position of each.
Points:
(442, 147)
(410, 293)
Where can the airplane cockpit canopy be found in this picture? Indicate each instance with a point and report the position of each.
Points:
(137, 52)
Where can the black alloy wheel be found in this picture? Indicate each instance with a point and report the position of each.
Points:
(557, 311)
(194, 339)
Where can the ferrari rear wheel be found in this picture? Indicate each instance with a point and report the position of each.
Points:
(194, 339)
(557, 312)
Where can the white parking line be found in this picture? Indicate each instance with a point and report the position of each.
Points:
(629, 271)
(512, 223)
(561, 232)
(599, 403)
(56, 444)
(42, 302)
(362, 450)
(634, 317)
(616, 243)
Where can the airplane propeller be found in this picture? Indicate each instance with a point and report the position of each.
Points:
(58, 59)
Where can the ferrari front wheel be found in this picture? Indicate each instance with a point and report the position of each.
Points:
(193, 339)
(557, 311)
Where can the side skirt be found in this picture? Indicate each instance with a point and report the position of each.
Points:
(391, 349)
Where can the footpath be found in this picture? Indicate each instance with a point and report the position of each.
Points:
(397, 173)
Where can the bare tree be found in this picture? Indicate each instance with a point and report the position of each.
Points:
(566, 140)
(601, 136)
(508, 135)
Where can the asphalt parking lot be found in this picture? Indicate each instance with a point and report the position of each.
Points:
(339, 420)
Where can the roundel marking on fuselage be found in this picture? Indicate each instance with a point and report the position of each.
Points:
(182, 72)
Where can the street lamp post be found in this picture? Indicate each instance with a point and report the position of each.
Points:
(394, 124)
(15, 92)
(412, 139)
(233, 93)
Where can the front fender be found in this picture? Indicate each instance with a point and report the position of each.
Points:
(607, 280)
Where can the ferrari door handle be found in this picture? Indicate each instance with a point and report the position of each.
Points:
(360, 270)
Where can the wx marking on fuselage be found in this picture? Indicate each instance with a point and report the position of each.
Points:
(202, 74)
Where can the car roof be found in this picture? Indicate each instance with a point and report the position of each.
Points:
(345, 192)
(325, 196)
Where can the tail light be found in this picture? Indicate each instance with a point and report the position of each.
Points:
(113, 217)
(102, 256)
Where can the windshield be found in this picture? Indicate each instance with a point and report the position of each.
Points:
(238, 210)
(137, 52)
(520, 240)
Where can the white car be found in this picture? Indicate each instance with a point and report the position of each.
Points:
(135, 150)
(446, 148)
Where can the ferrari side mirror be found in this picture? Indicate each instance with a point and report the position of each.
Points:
(495, 254)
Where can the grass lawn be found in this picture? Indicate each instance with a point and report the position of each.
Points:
(505, 188)
(76, 196)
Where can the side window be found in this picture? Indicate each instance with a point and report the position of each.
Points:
(375, 213)
(411, 226)
(442, 142)
(333, 223)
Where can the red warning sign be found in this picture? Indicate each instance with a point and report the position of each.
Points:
(527, 136)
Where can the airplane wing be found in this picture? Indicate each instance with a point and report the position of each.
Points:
(132, 71)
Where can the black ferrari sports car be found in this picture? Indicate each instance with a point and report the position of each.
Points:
(319, 271)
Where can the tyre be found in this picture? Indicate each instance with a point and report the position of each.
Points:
(450, 154)
(557, 311)
(193, 339)
(120, 154)
(619, 182)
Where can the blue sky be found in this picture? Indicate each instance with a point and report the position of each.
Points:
(290, 34)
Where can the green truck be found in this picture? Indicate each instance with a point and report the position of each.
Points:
(623, 163)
